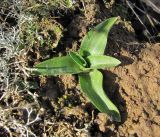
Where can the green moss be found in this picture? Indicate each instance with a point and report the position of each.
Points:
(42, 8)
(44, 32)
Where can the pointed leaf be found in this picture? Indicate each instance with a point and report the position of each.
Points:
(58, 66)
(102, 61)
(78, 59)
(95, 41)
(91, 85)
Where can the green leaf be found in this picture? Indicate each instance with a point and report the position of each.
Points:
(58, 66)
(91, 85)
(102, 61)
(95, 41)
(78, 59)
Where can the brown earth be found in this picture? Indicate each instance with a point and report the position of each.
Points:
(139, 87)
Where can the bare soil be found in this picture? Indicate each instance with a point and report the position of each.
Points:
(138, 86)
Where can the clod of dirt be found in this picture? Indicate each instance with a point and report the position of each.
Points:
(78, 26)
(76, 111)
(69, 81)
(49, 88)
(101, 120)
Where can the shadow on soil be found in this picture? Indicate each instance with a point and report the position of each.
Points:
(125, 60)
(112, 90)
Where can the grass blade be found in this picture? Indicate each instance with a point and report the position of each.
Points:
(78, 59)
(58, 66)
(101, 61)
(91, 85)
(95, 41)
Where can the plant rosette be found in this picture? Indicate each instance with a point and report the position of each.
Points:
(86, 63)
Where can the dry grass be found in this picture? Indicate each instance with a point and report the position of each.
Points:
(19, 107)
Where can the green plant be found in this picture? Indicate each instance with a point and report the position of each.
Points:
(45, 32)
(86, 64)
